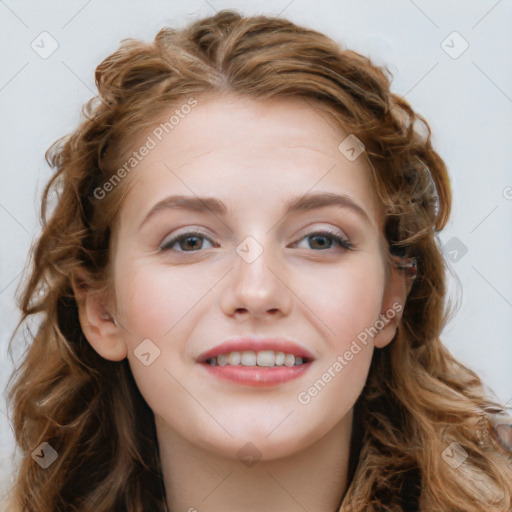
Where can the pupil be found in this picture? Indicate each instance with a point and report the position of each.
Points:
(194, 244)
(321, 237)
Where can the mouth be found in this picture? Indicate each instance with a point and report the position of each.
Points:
(263, 359)
(256, 362)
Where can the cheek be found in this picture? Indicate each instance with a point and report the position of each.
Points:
(155, 301)
(350, 308)
(152, 299)
(346, 301)
(332, 392)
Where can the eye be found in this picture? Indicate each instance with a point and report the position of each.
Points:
(321, 239)
(190, 240)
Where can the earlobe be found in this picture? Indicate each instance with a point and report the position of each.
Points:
(398, 287)
(100, 328)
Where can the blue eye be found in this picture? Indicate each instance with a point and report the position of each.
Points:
(319, 238)
(192, 240)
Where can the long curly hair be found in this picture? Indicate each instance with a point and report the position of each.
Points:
(418, 399)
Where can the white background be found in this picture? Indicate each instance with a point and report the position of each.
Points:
(467, 101)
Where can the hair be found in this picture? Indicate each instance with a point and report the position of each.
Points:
(417, 400)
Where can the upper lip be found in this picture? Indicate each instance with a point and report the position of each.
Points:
(257, 345)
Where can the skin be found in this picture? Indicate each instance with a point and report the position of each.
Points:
(254, 156)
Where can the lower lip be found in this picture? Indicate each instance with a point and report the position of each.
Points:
(257, 375)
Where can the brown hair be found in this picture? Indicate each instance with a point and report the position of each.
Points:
(418, 399)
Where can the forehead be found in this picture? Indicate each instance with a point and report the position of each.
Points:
(242, 126)
(249, 150)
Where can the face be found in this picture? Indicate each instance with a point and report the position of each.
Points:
(254, 310)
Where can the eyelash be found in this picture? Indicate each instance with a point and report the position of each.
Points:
(342, 241)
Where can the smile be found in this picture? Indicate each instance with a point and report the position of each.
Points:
(263, 358)
(256, 362)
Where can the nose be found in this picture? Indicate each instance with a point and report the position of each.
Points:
(258, 288)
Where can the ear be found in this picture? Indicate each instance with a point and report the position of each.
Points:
(399, 280)
(98, 325)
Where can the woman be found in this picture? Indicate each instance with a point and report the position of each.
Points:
(241, 293)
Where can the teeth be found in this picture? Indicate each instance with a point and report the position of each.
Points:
(234, 358)
(248, 358)
(222, 359)
(266, 358)
(289, 360)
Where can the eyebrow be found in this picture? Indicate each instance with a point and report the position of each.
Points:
(305, 202)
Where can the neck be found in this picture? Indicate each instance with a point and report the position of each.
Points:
(197, 480)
